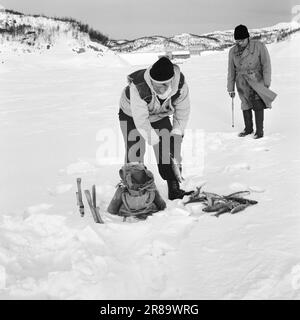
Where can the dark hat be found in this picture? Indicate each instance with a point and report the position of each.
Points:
(241, 32)
(162, 70)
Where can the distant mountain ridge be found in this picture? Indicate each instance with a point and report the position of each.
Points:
(30, 33)
(217, 40)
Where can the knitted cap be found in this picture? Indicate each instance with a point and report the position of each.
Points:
(162, 70)
(241, 32)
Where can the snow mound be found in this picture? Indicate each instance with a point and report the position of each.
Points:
(81, 260)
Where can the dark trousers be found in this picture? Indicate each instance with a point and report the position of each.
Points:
(135, 144)
(259, 120)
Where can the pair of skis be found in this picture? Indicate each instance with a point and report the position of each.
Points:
(91, 202)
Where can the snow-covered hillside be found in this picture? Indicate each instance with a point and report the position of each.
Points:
(26, 34)
(55, 113)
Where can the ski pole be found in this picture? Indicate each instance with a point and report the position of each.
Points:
(94, 196)
(79, 197)
(232, 113)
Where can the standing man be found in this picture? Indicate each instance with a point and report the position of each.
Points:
(249, 67)
(151, 96)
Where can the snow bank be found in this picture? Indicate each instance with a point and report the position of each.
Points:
(70, 258)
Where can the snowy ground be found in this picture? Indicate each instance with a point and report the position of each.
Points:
(52, 110)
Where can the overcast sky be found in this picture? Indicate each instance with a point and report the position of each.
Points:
(128, 19)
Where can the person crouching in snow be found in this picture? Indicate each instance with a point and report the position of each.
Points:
(136, 194)
(249, 67)
(150, 97)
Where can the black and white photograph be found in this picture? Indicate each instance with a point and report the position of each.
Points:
(149, 150)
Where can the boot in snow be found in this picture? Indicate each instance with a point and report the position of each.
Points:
(174, 191)
(259, 121)
(244, 133)
(258, 135)
(247, 114)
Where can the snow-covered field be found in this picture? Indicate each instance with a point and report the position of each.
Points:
(54, 111)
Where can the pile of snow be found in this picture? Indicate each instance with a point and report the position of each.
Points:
(68, 257)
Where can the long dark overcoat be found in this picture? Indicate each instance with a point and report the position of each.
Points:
(250, 71)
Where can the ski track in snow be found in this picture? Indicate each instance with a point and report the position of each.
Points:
(49, 252)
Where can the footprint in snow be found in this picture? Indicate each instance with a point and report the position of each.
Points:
(236, 186)
(261, 149)
(237, 167)
(38, 208)
(60, 189)
(256, 189)
(80, 167)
